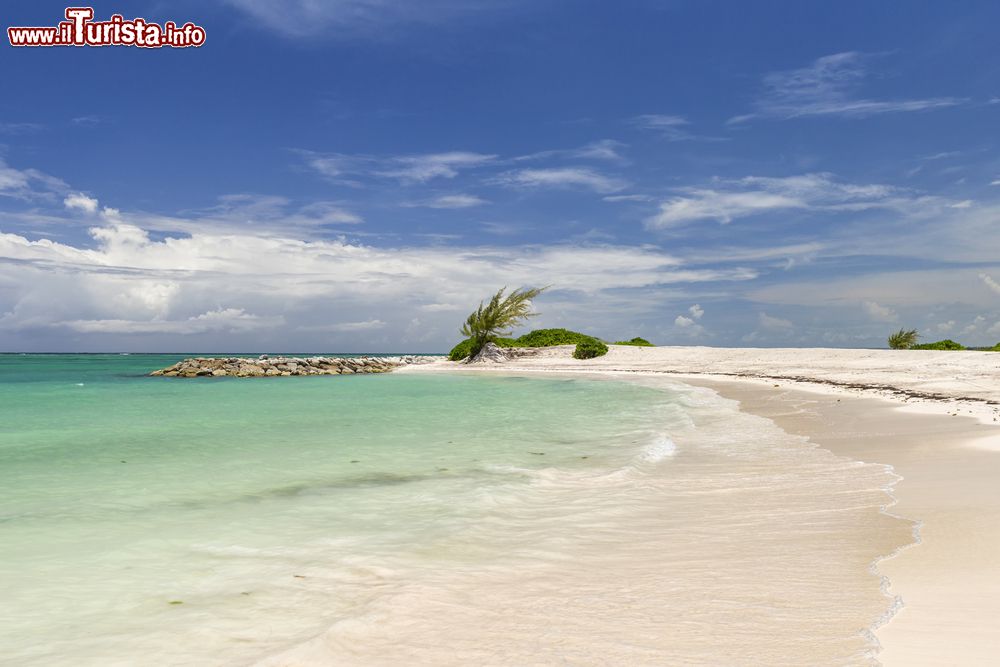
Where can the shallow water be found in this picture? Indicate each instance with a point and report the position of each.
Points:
(416, 519)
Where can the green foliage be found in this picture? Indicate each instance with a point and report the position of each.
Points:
(461, 351)
(946, 344)
(588, 349)
(903, 339)
(495, 319)
(637, 342)
(464, 349)
(549, 337)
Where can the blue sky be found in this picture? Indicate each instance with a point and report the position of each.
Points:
(356, 174)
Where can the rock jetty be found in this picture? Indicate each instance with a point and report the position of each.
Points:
(265, 366)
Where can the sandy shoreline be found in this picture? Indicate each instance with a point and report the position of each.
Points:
(950, 581)
(932, 416)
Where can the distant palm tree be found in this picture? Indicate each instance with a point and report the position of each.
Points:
(903, 339)
(499, 316)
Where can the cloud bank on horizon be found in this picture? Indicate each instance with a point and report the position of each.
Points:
(676, 179)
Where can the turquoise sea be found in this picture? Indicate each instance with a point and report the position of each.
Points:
(157, 521)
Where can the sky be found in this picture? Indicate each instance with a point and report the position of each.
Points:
(356, 175)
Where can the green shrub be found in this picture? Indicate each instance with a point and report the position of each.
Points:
(464, 349)
(637, 342)
(946, 344)
(461, 351)
(903, 339)
(592, 347)
(549, 337)
(588, 349)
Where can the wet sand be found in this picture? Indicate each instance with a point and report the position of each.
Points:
(932, 416)
(950, 581)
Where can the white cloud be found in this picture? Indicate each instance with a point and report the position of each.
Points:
(407, 169)
(931, 289)
(967, 203)
(19, 128)
(774, 323)
(990, 282)
(439, 307)
(689, 326)
(367, 325)
(927, 229)
(497, 228)
(564, 177)
(879, 313)
(422, 168)
(720, 206)
(27, 183)
(635, 198)
(224, 320)
(330, 166)
(973, 326)
(730, 199)
(828, 87)
(945, 327)
(210, 282)
(87, 121)
(996, 182)
(453, 201)
(944, 155)
(353, 170)
(256, 214)
(653, 121)
(80, 201)
(350, 19)
(669, 127)
(788, 254)
(606, 149)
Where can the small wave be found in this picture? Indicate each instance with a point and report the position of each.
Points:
(661, 448)
(896, 602)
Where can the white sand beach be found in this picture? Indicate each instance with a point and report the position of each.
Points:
(933, 416)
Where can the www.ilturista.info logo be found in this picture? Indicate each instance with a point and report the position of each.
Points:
(79, 29)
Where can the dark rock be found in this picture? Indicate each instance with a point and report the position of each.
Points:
(282, 366)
